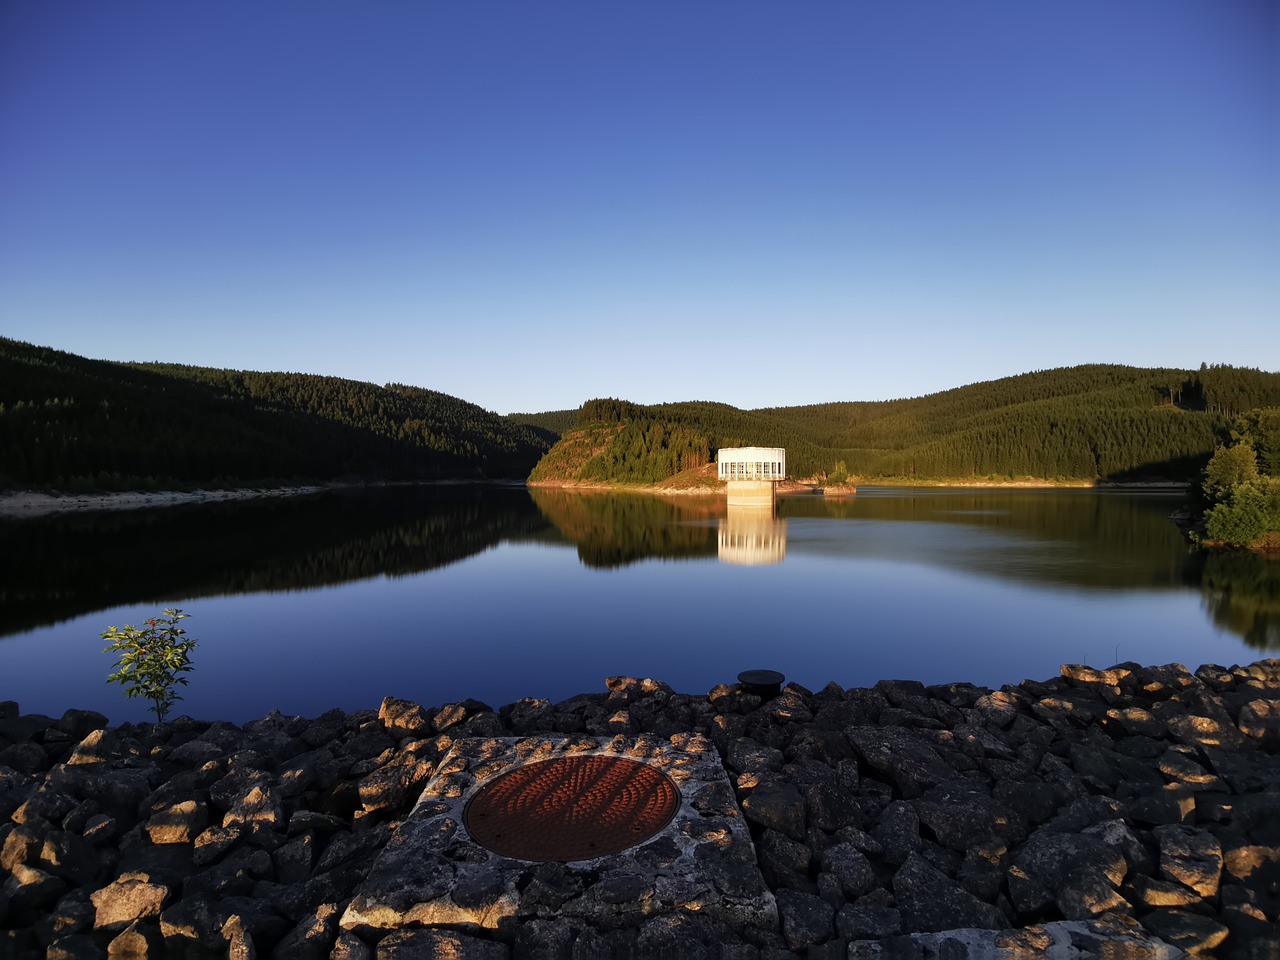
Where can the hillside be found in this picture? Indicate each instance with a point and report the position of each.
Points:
(72, 423)
(1074, 423)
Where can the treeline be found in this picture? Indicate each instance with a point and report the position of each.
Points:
(1087, 422)
(75, 424)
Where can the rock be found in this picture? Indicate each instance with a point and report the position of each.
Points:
(178, 823)
(78, 946)
(27, 758)
(867, 921)
(1055, 868)
(777, 805)
(395, 785)
(294, 860)
(21, 846)
(1190, 857)
(851, 869)
(30, 892)
(931, 901)
(404, 718)
(123, 901)
(68, 856)
(248, 798)
(908, 760)
(806, 919)
(136, 941)
(784, 862)
(432, 944)
(898, 832)
(80, 723)
(313, 938)
(1189, 932)
(240, 945)
(745, 755)
(350, 947)
(961, 811)
(73, 914)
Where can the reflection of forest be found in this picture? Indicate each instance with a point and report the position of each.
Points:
(58, 567)
(1085, 538)
(1242, 594)
(612, 530)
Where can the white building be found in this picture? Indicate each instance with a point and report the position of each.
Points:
(751, 463)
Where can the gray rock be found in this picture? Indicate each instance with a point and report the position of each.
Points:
(433, 944)
(1192, 933)
(78, 946)
(1190, 857)
(961, 811)
(1051, 863)
(898, 832)
(851, 869)
(68, 856)
(248, 798)
(807, 919)
(313, 937)
(784, 861)
(777, 805)
(350, 947)
(867, 921)
(121, 902)
(745, 755)
(179, 822)
(73, 914)
(931, 901)
(138, 940)
(908, 760)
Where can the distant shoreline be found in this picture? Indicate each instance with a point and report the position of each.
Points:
(18, 504)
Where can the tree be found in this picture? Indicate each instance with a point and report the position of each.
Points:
(1228, 470)
(151, 659)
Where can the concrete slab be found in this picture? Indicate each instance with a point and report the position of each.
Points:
(432, 872)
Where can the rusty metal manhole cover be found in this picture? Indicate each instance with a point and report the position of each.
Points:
(571, 808)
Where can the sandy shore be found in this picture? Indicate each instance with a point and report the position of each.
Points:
(28, 504)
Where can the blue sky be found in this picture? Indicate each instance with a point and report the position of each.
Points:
(530, 204)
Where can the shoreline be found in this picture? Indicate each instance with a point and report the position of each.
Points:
(1101, 810)
(16, 504)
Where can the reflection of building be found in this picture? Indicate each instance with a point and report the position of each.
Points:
(751, 534)
(751, 463)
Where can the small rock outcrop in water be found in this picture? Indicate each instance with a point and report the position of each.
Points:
(1131, 809)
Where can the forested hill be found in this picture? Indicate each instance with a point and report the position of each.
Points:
(72, 423)
(1073, 423)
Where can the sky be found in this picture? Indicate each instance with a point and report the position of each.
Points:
(529, 204)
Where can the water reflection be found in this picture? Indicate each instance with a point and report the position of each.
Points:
(58, 567)
(751, 534)
(615, 530)
(1242, 594)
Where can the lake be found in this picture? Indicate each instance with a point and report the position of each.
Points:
(436, 594)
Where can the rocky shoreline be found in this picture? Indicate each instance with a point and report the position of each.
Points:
(1133, 811)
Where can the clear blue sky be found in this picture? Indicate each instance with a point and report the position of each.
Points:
(527, 204)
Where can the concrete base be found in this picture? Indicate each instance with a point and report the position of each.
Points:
(433, 872)
(750, 492)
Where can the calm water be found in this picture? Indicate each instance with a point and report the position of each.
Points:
(498, 593)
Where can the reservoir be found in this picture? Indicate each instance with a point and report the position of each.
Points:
(437, 594)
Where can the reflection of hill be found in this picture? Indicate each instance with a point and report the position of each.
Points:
(59, 567)
(612, 530)
(1242, 594)
(1083, 538)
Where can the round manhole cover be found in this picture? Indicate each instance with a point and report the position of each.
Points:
(571, 808)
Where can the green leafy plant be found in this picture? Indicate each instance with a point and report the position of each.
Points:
(152, 659)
